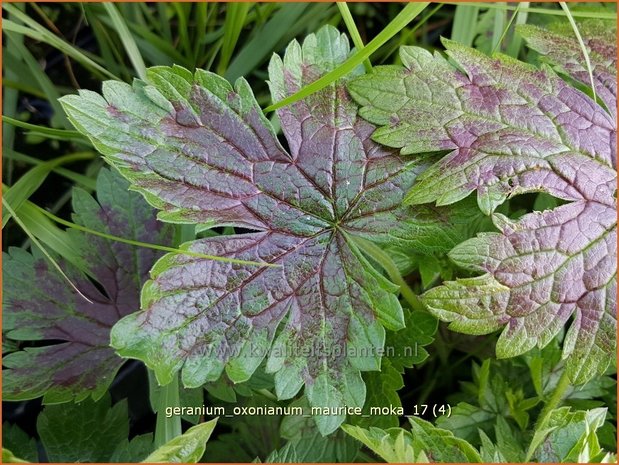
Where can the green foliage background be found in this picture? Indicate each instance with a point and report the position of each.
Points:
(50, 50)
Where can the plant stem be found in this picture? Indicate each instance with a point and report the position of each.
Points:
(557, 396)
(385, 261)
(166, 428)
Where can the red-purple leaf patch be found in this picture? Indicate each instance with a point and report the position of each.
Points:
(561, 49)
(512, 128)
(202, 151)
(38, 305)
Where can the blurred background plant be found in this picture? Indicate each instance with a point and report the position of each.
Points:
(53, 49)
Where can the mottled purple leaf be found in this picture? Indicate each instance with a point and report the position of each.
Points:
(201, 151)
(38, 305)
(511, 128)
(561, 49)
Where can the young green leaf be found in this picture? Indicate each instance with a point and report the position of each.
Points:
(511, 129)
(567, 436)
(507, 447)
(441, 445)
(134, 450)
(38, 305)
(10, 457)
(202, 152)
(382, 391)
(287, 454)
(509, 442)
(424, 443)
(394, 445)
(489, 452)
(187, 448)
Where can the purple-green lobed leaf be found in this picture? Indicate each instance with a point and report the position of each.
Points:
(202, 152)
(561, 49)
(38, 305)
(512, 128)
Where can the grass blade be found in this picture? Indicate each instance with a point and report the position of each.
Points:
(35, 31)
(353, 31)
(10, 101)
(153, 47)
(583, 47)
(182, 13)
(86, 182)
(499, 29)
(108, 49)
(410, 33)
(51, 93)
(541, 11)
(21, 191)
(61, 134)
(521, 18)
(36, 242)
(497, 41)
(151, 246)
(202, 14)
(51, 235)
(236, 13)
(265, 40)
(464, 24)
(127, 39)
(162, 9)
(408, 13)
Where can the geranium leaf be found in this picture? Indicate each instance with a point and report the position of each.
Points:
(309, 445)
(561, 49)
(441, 445)
(568, 436)
(393, 445)
(425, 443)
(403, 349)
(38, 305)
(201, 151)
(246, 436)
(134, 450)
(19, 443)
(512, 128)
(87, 431)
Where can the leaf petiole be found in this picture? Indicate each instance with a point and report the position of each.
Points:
(557, 396)
(167, 428)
